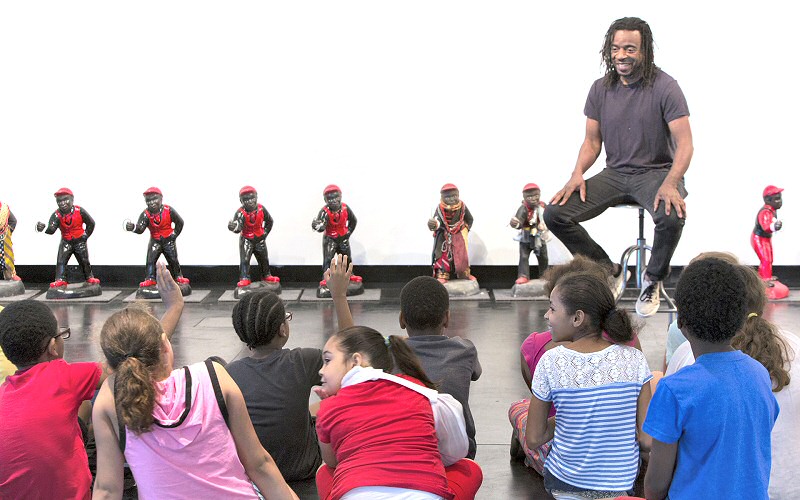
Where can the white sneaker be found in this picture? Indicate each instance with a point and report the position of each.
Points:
(649, 300)
(617, 283)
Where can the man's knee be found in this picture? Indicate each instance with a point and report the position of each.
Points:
(669, 222)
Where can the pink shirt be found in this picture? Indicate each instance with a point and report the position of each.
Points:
(192, 452)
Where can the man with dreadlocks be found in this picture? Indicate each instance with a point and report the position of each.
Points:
(640, 114)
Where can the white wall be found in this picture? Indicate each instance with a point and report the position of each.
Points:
(389, 100)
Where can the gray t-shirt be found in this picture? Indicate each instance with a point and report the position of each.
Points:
(276, 390)
(453, 364)
(634, 121)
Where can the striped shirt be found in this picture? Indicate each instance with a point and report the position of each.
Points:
(595, 395)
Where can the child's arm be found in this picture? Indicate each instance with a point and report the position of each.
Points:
(660, 469)
(110, 462)
(257, 462)
(645, 440)
(525, 370)
(540, 429)
(328, 455)
(338, 277)
(172, 297)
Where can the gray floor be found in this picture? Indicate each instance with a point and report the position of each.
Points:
(496, 327)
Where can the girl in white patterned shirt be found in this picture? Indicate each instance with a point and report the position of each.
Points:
(600, 391)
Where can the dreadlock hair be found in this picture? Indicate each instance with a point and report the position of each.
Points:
(131, 342)
(591, 294)
(759, 338)
(648, 65)
(383, 353)
(579, 264)
(258, 317)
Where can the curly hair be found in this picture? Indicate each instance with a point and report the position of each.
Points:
(710, 302)
(648, 65)
(258, 317)
(579, 264)
(26, 328)
(759, 338)
(383, 354)
(424, 303)
(591, 294)
(131, 342)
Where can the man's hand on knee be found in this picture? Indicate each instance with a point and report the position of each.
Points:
(574, 182)
(669, 194)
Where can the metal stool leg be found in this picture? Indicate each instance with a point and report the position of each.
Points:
(640, 249)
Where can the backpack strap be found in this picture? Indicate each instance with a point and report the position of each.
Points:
(223, 408)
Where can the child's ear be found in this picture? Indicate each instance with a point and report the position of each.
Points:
(402, 321)
(52, 349)
(578, 318)
(283, 331)
(357, 359)
(446, 319)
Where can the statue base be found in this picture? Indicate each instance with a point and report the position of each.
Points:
(353, 288)
(151, 292)
(74, 291)
(776, 290)
(9, 288)
(274, 287)
(533, 288)
(462, 287)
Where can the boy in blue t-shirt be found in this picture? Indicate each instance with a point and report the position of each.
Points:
(711, 421)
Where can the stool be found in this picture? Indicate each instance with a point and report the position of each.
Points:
(640, 249)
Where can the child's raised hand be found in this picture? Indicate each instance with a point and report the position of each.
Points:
(338, 275)
(168, 289)
(320, 392)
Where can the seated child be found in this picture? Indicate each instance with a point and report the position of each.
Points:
(599, 387)
(42, 453)
(378, 433)
(531, 351)
(777, 350)
(674, 336)
(184, 432)
(276, 384)
(711, 421)
(452, 362)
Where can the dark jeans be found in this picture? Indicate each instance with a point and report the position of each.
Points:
(610, 188)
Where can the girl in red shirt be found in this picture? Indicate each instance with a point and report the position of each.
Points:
(376, 431)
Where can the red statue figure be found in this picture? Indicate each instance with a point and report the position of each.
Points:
(450, 225)
(533, 233)
(8, 223)
(253, 223)
(165, 226)
(761, 240)
(76, 227)
(338, 222)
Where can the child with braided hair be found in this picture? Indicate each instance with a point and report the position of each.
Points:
(182, 431)
(276, 383)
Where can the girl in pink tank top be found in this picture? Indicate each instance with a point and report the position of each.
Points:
(184, 432)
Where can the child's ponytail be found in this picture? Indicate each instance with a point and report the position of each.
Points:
(617, 325)
(406, 361)
(385, 353)
(131, 342)
(590, 294)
